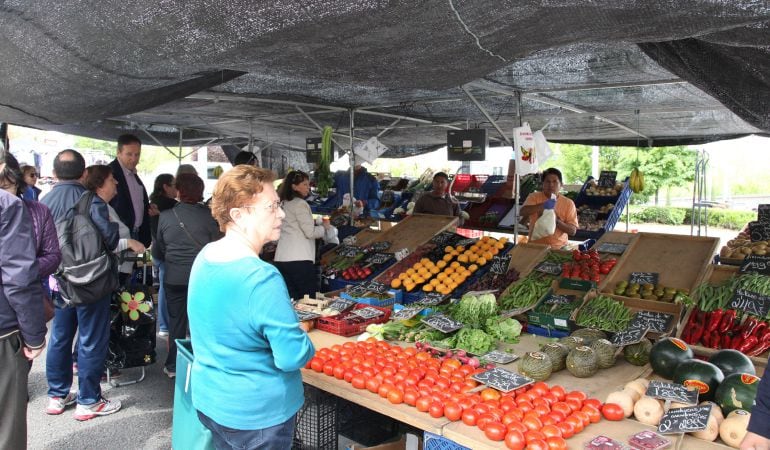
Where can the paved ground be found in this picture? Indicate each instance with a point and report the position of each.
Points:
(145, 420)
(143, 423)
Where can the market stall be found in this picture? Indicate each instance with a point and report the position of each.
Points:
(602, 320)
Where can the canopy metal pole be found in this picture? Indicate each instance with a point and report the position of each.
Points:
(486, 114)
(179, 156)
(516, 178)
(352, 158)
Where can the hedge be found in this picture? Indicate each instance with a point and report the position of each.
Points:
(720, 218)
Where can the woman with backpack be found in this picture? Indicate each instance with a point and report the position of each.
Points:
(182, 232)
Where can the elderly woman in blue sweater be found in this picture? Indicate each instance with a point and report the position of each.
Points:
(249, 346)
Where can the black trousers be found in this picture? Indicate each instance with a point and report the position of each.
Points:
(300, 277)
(14, 369)
(176, 303)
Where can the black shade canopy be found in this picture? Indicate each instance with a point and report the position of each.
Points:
(619, 72)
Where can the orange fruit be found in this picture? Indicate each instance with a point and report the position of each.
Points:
(395, 284)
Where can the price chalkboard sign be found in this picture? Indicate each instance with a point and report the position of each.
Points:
(576, 285)
(763, 213)
(378, 258)
(348, 251)
(443, 239)
(756, 263)
(685, 420)
(313, 148)
(657, 322)
(502, 380)
(759, 231)
(643, 278)
(615, 248)
(368, 312)
(442, 323)
(498, 357)
(407, 313)
(630, 335)
(589, 215)
(752, 302)
(380, 246)
(607, 178)
(671, 391)
(500, 264)
(431, 299)
(549, 267)
(306, 315)
(376, 287)
(556, 299)
(341, 304)
(356, 290)
(466, 242)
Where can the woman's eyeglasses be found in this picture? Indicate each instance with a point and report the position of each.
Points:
(272, 207)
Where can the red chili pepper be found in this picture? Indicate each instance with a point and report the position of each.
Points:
(693, 317)
(727, 320)
(714, 318)
(705, 338)
(749, 343)
(697, 333)
(736, 341)
(716, 339)
(687, 335)
(759, 330)
(762, 347)
(748, 327)
(726, 340)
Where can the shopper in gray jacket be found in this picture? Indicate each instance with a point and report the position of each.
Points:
(182, 232)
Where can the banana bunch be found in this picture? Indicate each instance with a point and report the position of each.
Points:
(636, 181)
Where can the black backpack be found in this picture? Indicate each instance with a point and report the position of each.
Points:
(88, 271)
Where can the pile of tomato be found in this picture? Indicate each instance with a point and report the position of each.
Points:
(538, 416)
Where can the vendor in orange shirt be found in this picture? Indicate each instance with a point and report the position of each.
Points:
(566, 214)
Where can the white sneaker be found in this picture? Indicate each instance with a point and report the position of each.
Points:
(171, 373)
(162, 333)
(103, 407)
(56, 405)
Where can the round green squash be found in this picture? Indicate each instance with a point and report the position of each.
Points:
(536, 365)
(582, 362)
(638, 354)
(605, 353)
(558, 354)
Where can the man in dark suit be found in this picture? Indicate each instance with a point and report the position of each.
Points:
(131, 203)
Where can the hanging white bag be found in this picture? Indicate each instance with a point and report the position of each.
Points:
(524, 150)
(546, 224)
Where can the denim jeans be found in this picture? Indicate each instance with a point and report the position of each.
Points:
(91, 323)
(278, 437)
(162, 308)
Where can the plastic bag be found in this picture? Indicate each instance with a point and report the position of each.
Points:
(546, 224)
(524, 150)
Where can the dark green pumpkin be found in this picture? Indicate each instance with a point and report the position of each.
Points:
(701, 375)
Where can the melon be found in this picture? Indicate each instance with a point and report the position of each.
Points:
(737, 391)
(572, 342)
(605, 353)
(638, 354)
(589, 335)
(668, 353)
(582, 362)
(558, 354)
(732, 361)
(536, 365)
(701, 375)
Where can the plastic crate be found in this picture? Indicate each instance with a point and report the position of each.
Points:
(396, 295)
(338, 325)
(612, 218)
(316, 423)
(493, 184)
(363, 425)
(187, 430)
(547, 332)
(471, 234)
(435, 442)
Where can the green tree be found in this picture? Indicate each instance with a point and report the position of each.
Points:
(84, 143)
(663, 167)
(574, 161)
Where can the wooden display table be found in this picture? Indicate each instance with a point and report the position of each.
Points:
(598, 386)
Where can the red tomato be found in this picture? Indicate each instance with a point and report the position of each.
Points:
(384, 389)
(537, 444)
(373, 385)
(495, 431)
(550, 431)
(481, 408)
(339, 372)
(574, 404)
(358, 381)
(514, 440)
(532, 423)
(317, 364)
(328, 367)
(566, 428)
(518, 426)
(559, 392)
(542, 410)
(550, 397)
(539, 388)
(577, 395)
(576, 422)
(593, 414)
(556, 443)
(470, 417)
(613, 411)
(526, 406)
(453, 411)
(533, 435)
(485, 419)
(348, 375)
(436, 409)
(593, 402)
(549, 420)
(584, 417)
(423, 403)
(395, 396)
(411, 396)
(561, 408)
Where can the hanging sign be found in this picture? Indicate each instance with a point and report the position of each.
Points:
(313, 150)
(466, 145)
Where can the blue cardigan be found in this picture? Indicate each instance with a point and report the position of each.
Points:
(247, 343)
